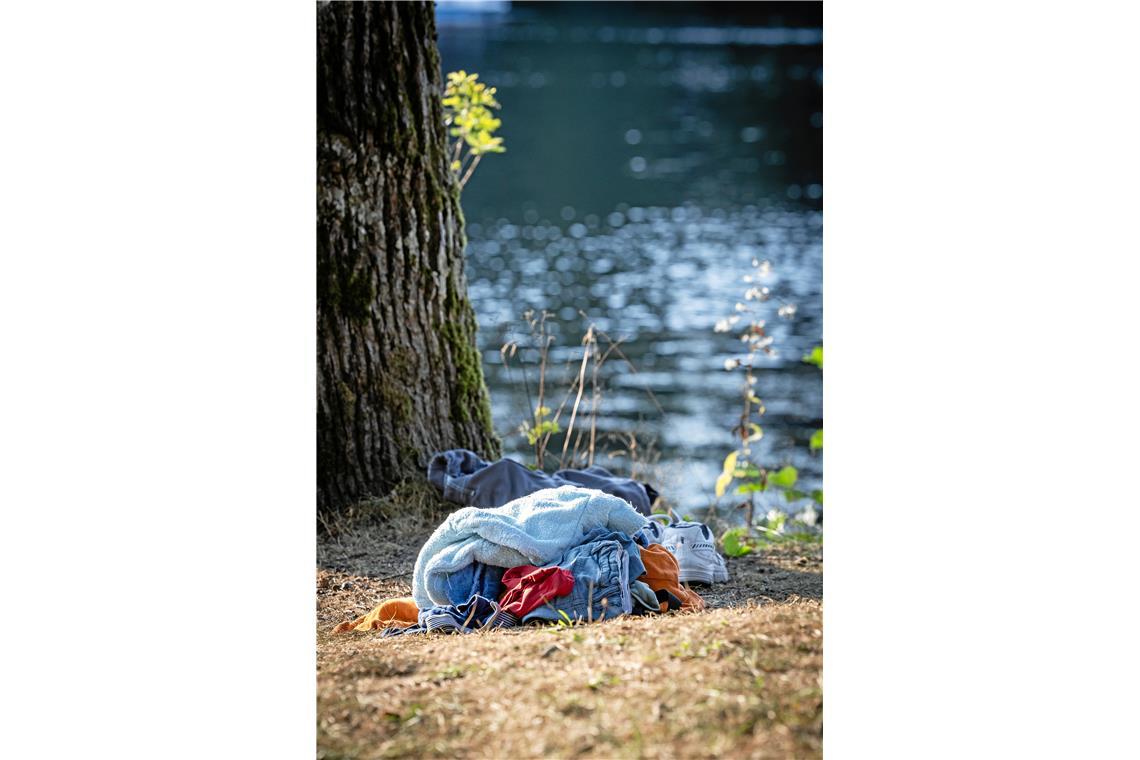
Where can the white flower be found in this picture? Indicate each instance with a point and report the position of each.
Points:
(752, 379)
(809, 516)
(740, 306)
(748, 278)
(730, 364)
(787, 311)
(764, 268)
(751, 293)
(724, 325)
(755, 262)
(776, 518)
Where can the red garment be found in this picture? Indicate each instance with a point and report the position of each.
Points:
(527, 587)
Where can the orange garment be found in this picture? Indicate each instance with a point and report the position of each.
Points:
(663, 572)
(400, 612)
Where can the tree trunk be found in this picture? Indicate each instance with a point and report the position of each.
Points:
(398, 374)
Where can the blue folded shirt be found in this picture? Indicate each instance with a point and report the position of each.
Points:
(470, 481)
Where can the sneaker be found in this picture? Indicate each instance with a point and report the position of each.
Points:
(693, 545)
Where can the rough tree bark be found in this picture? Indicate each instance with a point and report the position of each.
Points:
(398, 374)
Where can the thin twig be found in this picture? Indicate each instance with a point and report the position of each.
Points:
(633, 369)
(526, 385)
(577, 445)
(394, 575)
(470, 169)
(594, 397)
(595, 403)
(544, 352)
(578, 400)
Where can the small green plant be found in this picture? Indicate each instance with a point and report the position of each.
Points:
(815, 356)
(541, 427)
(467, 105)
(564, 623)
(598, 680)
(686, 651)
(410, 717)
(739, 466)
(735, 542)
(451, 672)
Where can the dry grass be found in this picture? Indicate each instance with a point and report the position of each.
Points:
(742, 679)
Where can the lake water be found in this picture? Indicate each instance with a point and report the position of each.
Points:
(652, 153)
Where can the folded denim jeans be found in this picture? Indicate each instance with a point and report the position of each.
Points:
(632, 547)
(601, 570)
(476, 579)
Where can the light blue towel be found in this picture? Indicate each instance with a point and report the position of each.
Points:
(532, 530)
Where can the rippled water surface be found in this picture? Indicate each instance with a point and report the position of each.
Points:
(652, 153)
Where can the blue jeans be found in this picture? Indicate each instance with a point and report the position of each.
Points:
(476, 579)
(603, 566)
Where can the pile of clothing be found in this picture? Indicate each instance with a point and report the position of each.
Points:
(571, 552)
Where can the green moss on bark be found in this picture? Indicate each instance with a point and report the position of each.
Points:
(347, 396)
(395, 398)
(348, 293)
(402, 365)
(469, 398)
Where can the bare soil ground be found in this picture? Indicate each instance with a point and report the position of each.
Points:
(740, 679)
